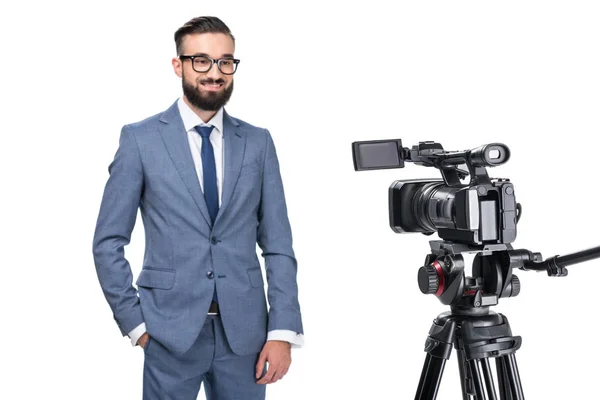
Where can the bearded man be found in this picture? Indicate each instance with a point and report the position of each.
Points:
(209, 189)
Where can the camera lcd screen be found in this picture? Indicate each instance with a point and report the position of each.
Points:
(377, 154)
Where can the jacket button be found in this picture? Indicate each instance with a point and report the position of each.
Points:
(213, 240)
(210, 274)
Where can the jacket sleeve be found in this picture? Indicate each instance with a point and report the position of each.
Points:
(275, 240)
(115, 223)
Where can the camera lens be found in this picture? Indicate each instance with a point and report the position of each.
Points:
(421, 206)
(433, 206)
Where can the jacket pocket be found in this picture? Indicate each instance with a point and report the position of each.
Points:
(255, 277)
(156, 278)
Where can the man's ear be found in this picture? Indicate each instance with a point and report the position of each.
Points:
(177, 66)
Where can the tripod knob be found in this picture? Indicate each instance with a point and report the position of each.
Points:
(428, 279)
(516, 286)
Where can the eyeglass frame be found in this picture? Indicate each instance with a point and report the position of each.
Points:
(212, 62)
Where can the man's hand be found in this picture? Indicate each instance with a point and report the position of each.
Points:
(279, 356)
(143, 340)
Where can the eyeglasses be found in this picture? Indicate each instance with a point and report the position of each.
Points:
(227, 66)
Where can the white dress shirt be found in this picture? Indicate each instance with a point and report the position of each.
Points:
(190, 121)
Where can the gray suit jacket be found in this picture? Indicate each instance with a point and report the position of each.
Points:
(185, 256)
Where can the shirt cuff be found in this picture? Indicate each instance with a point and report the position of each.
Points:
(295, 339)
(137, 333)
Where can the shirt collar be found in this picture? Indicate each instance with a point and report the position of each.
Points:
(191, 119)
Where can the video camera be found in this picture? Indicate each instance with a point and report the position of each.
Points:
(483, 211)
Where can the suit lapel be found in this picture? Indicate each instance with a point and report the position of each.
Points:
(175, 138)
(235, 144)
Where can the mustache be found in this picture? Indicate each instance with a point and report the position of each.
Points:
(212, 81)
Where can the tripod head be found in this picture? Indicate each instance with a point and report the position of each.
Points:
(493, 277)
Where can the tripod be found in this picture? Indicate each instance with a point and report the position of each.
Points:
(476, 332)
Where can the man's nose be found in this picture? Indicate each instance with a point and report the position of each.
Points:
(214, 72)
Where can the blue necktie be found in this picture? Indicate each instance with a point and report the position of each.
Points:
(209, 174)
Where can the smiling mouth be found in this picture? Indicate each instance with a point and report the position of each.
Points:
(212, 86)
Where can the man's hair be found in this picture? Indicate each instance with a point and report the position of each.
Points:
(200, 25)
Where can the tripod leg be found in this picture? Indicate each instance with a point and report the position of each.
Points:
(503, 383)
(489, 380)
(479, 368)
(431, 377)
(477, 382)
(465, 377)
(438, 347)
(513, 377)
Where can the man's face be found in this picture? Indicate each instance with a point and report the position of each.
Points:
(209, 90)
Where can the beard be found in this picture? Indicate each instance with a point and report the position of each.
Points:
(205, 100)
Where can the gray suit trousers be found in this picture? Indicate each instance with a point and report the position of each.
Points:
(210, 361)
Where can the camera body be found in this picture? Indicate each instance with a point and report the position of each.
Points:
(481, 212)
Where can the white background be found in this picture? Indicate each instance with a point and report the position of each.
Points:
(319, 75)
